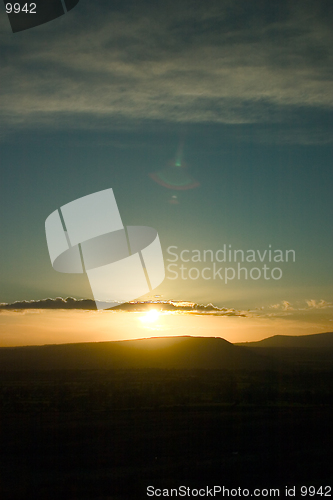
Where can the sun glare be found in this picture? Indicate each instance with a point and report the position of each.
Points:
(150, 317)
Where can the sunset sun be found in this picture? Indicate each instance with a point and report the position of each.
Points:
(150, 317)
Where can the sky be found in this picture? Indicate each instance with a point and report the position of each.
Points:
(110, 95)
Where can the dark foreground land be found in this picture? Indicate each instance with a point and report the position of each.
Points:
(108, 434)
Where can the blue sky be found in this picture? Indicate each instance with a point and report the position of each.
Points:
(100, 97)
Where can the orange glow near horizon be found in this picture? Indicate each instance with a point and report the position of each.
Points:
(36, 327)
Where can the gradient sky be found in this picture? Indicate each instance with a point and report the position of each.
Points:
(99, 98)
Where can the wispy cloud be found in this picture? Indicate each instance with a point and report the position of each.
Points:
(319, 304)
(300, 309)
(284, 306)
(311, 304)
(219, 62)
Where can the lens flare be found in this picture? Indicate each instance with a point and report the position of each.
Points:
(175, 175)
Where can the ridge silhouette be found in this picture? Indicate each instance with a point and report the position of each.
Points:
(159, 352)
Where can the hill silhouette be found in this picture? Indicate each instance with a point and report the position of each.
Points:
(184, 352)
(91, 420)
(306, 351)
(161, 352)
(317, 340)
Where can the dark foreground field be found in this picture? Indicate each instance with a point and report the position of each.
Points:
(109, 434)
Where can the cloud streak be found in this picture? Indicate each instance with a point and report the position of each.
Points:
(71, 303)
(222, 62)
(284, 308)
